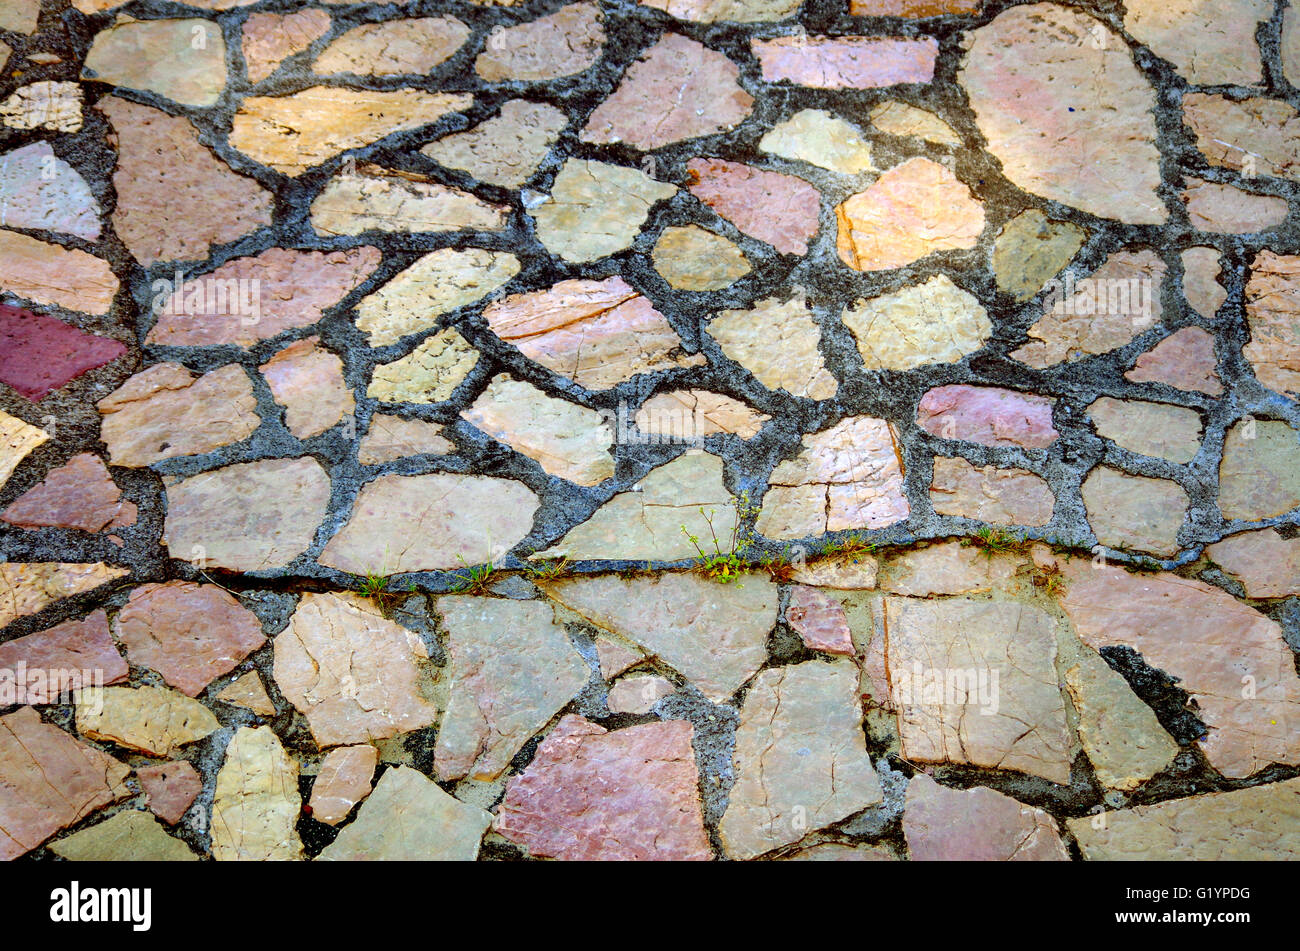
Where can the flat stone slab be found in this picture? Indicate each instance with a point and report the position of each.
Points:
(942, 824)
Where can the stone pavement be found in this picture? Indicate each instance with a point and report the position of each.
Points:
(677, 429)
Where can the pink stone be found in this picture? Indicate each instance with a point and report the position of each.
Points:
(293, 289)
(1227, 210)
(69, 648)
(189, 633)
(988, 415)
(171, 788)
(343, 781)
(820, 620)
(79, 494)
(38, 190)
(976, 825)
(779, 209)
(846, 62)
(40, 354)
(1184, 360)
(915, 9)
(677, 90)
(49, 780)
(1266, 564)
(270, 38)
(593, 795)
(307, 380)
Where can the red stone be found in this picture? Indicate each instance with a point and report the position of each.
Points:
(70, 647)
(989, 415)
(779, 209)
(39, 354)
(79, 494)
(171, 788)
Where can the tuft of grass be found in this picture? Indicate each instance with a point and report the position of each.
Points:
(379, 589)
(851, 547)
(993, 541)
(726, 563)
(473, 579)
(1048, 579)
(548, 570)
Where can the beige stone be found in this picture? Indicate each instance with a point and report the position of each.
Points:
(1266, 564)
(596, 209)
(1259, 476)
(17, 441)
(851, 574)
(248, 692)
(129, 836)
(506, 149)
(375, 199)
(714, 11)
(1257, 137)
(1201, 288)
(694, 414)
(777, 341)
(1210, 43)
(899, 118)
(428, 374)
(343, 781)
(257, 803)
(565, 43)
(1272, 297)
(692, 259)
(933, 322)
(638, 693)
(271, 38)
(26, 588)
(1031, 249)
(391, 438)
(1129, 511)
(1002, 496)
(1153, 429)
(21, 16)
(181, 60)
(822, 139)
(48, 105)
(1223, 209)
(393, 48)
(152, 720)
(945, 568)
(51, 274)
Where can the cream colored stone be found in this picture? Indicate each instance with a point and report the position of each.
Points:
(945, 568)
(153, 720)
(52, 274)
(1153, 429)
(1210, 42)
(934, 322)
(26, 588)
(692, 259)
(991, 494)
(393, 48)
(778, 342)
(504, 150)
(899, 118)
(1272, 297)
(373, 199)
(181, 60)
(428, 374)
(257, 803)
(596, 209)
(48, 105)
(819, 138)
(1128, 511)
(638, 693)
(17, 441)
(391, 438)
(694, 414)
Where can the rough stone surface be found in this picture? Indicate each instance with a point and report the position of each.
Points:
(990, 494)
(945, 568)
(171, 789)
(79, 651)
(846, 62)
(590, 794)
(1201, 288)
(713, 11)
(249, 516)
(21, 16)
(437, 521)
(40, 191)
(1272, 296)
(988, 415)
(256, 804)
(26, 588)
(638, 693)
(1153, 429)
(712, 634)
(934, 322)
(1266, 564)
(898, 118)
(564, 43)
(692, 259)
(40, 354)
(129, 836)
(307, 380)
(1067, 113)
(271, 38)
(777, 341)
(428, 374)
(512, 668)
(846, 573)
(504, 150)
(50, 274)
(1184, 360)
(151, 720)
(596, 209)
(779, 209)
(1129, 511)
(1258, 137)
(1211, 44)
(17, 441)
(1259, 476)
(822, 139)
(395, 48)
(942, 824)
(392, 437)
(249, 693)
(48, 105)
(1226, 210)
(1031, 249)
(181, 60)
(819, 620)
(374, 199)
(343, 781)
(79, 494)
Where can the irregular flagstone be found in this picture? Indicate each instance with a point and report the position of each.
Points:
(1099, 313)
(942, 659)
(616, 658)
(714, 11)
(678, 89)
(714, 635)
(511, 669)
(848, 476)
(256, 805)
(777, 341)
(694, 414)
(428, 522)
(779, 209)
(1210, 43)
(375, 199)
(250, 516)
(17, 441)
(248, 692)
(166, 411)
(915, 9)
(428, 374)
(1231, 659)
(1121, 735)
(26, 588)
(596, 209)
(38, 190)
(598, 333)
(98, 6)
(934, 322)
(942, 824)
(506, 149)
(1257, 137)
(73, 655)
(898, 118)
(652, 524)
(355, 675)
(567, 440)
(842, 852)
(564, 43)
(594, 795)
(1272, 297)
(1259, 823)
(39, 354)
(408, 818)
(1289, 47)
(1129, 511)
(129, 836)
(271, 38)
(1227, 210)
(393, 48)
(1259, 476)
(820, 139)
(638, 693)
(692, 259)
(296, 132)
(801, 760)
(945, 568)
(1057, 96)
(1184, 360)
(850, 574)
(181, 60)
(272, 292)
(51, 274)
(55, 106)
(846, 62)
(909, 212)
(190, 633)
(392, 437)
(307, 380)
(171, 789)
(989, 415)
(343, 781)
(175, 198)
(1201, 288)
(149, 719)
(1153, 429)
(819, 620)
(1266, 564)
(21, 16)
(1006, 496)
(438, 283)
(49, 781)
(1030, 250)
